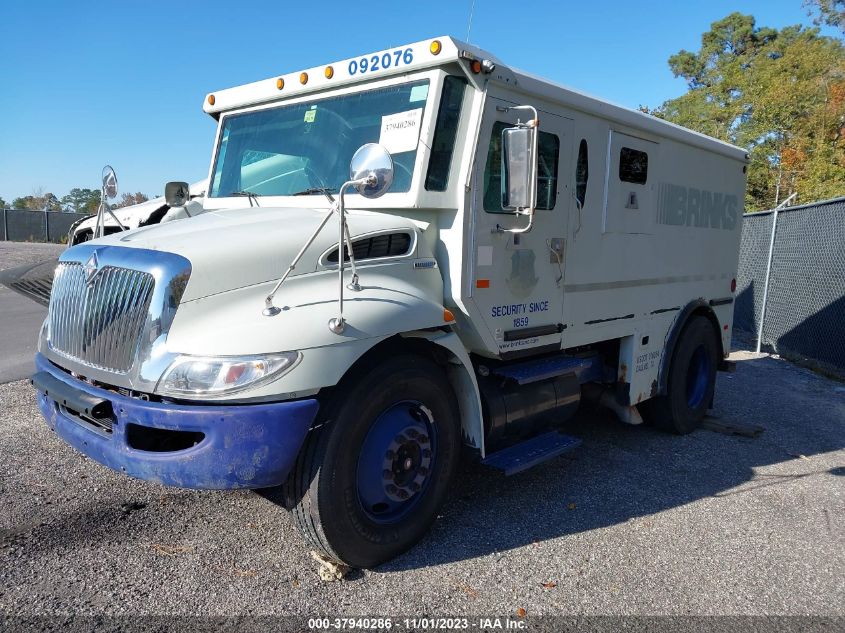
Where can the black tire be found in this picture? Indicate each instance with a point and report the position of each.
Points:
(325, 489)
(691, 381)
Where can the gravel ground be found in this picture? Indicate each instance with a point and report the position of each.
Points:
(13, 254)
(632, 522)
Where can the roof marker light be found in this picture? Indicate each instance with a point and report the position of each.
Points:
(329, 72)
(303, 78)
(475, 66)
(211, 100)
(280, 83)
(435, 47)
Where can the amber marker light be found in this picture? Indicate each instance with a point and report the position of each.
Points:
(475, 66)
(329, 72)
(280, 83)
(435, 47)
(448, 317)
(482, 283)
(211, 100)
(303, 78)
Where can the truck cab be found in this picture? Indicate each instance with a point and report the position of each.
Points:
(402, 258)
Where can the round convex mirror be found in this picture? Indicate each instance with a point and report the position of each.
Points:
(109, 182)
(372, 160)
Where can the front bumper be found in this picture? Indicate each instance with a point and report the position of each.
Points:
(237, 446)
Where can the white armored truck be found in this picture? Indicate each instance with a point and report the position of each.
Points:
(401, 256)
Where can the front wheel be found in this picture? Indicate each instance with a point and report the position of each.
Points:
(370, 479)
(691, 381)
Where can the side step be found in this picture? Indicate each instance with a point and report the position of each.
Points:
(537, 450)
(586, 368)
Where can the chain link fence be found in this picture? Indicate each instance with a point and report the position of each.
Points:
(804, 314)
(21, 225)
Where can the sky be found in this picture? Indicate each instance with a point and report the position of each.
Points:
(84, 83)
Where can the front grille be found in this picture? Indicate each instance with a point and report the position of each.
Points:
(100, 323)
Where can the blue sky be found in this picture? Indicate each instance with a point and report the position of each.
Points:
(85, 83)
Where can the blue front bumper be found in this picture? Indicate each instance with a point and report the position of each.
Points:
(242, 446)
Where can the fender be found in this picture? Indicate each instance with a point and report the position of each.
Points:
(461, 375)
(697, 306)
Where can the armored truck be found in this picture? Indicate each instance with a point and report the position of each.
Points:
(404, 259)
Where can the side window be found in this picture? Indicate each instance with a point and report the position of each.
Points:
(633, 166)
(582, 174)
(549, 151)
(445, 131)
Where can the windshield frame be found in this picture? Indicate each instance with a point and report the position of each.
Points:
(435, 77)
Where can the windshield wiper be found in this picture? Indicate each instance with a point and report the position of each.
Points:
(327, 191)
(253, 197)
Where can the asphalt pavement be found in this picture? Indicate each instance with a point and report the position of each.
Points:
(632, 522)
(20, 318)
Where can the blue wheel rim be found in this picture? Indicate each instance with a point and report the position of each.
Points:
(698, 377)
(396, 461)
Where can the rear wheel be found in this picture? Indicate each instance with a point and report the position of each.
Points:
(369, 481)
(691, 381)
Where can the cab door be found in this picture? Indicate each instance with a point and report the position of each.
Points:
(517, 278)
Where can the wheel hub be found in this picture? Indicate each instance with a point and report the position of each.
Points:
(406, 462)
(396, 460)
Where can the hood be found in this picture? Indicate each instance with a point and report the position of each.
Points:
(234, 248)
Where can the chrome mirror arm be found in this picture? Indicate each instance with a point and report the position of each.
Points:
(100, 226)
(338, 323)
(269, 308)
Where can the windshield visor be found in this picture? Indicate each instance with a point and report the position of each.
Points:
(294, 148)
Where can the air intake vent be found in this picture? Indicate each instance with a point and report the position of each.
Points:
(386, 245)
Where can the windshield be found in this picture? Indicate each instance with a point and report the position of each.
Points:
(294, 149)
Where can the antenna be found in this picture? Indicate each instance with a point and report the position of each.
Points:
(469, 23)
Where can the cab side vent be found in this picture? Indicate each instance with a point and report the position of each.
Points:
(386, 245)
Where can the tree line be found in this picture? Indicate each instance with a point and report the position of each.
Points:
(779, 93)
(78, 200)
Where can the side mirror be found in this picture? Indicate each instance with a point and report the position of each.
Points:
(109, 182)
(177, 194)
(373, 161)
(518, 168)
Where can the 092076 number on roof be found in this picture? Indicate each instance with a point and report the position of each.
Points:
(374, 63)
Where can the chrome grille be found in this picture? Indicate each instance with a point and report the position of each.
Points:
(99, 323)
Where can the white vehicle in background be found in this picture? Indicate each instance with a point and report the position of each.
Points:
(146, 213)
(400, 254)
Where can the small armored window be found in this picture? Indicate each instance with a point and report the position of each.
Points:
(582, 174)
(633, 166)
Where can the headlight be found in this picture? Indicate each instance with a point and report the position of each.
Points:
(210, 377)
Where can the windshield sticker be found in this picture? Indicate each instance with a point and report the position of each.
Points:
(401, 131)
(418, 93)
(310, 115)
